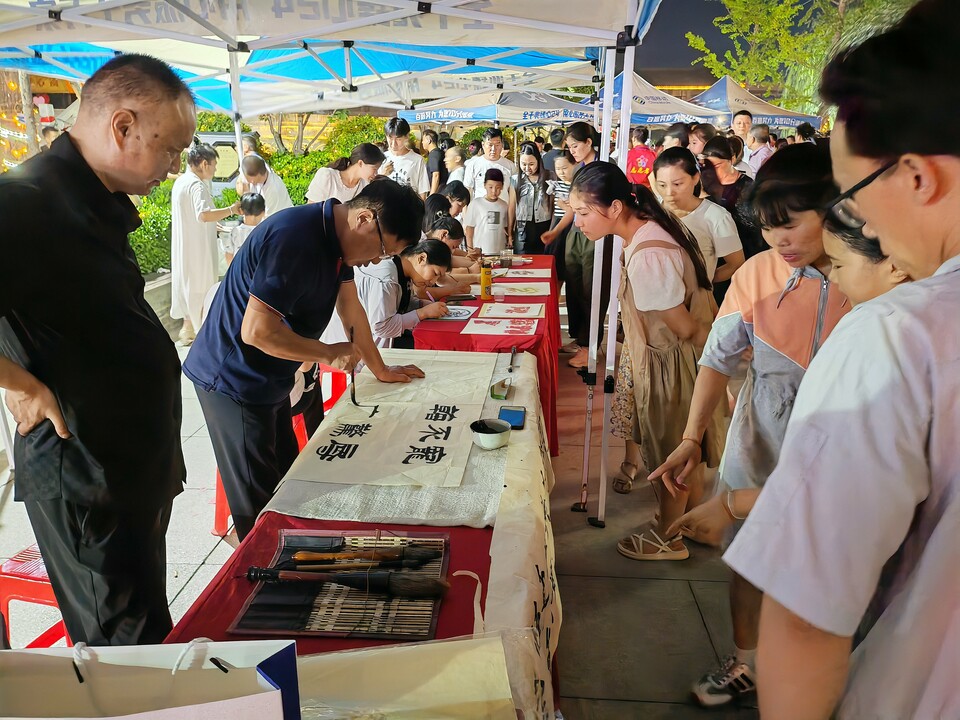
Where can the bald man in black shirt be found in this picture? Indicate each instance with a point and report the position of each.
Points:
(91, 376)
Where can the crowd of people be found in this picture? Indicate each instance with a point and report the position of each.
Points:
(788, 310)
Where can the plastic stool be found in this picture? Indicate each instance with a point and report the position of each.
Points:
(338, 385)
(24, 577)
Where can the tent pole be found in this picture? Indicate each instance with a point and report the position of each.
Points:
(235, 100)
(609, 382)
(589, 374)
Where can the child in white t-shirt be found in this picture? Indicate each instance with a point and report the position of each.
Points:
(253, 209)
(486, 217)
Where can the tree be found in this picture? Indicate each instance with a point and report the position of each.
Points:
(275, 123)
(217, 122)
(782, 47)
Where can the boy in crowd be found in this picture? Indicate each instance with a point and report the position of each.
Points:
(486, 219)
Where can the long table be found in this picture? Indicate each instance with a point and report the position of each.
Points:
(506, 489)
(544, 344)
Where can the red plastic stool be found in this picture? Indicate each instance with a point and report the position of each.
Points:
(338, 385)
(24, 577)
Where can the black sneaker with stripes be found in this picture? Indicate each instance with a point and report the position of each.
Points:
(731, 681)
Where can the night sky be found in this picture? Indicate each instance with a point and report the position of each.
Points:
(665, 45)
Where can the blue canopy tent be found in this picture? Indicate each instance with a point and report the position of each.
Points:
(512, 108)
(727, 96)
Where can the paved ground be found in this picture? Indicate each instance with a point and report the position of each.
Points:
(634, 634)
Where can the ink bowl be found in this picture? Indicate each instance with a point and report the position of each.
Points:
(490, 433)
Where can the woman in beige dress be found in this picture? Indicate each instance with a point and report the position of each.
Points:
(667, 310)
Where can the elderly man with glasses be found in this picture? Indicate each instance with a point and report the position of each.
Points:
(855, 539)
(275, 301)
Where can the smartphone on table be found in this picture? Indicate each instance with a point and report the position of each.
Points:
(515, 415)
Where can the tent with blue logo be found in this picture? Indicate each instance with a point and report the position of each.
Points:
(727, 96)
(509, 108)
(654, 107)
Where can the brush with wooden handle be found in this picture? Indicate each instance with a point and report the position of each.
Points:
(417, 553)
(363, 565)
(406, 585)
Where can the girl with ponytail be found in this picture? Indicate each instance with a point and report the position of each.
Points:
(667, 310)
(345, 177)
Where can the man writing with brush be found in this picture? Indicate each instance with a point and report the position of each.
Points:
(274, 303)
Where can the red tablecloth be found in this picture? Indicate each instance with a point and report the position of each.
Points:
(544, 344)
(218, 606)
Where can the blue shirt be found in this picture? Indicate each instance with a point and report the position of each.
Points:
(291, 262)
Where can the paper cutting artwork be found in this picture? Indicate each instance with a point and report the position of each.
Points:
(424, 444)
(529, 273)
(526, 289)
(516, 326)
(512, 310)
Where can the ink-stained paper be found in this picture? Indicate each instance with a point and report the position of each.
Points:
(510, 310)
(525, 289)
(518, 326)
(424, 444)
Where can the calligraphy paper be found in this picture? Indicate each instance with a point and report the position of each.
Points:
(512, 310)
(526, 289)
(425, 444)
(458, 312)
(528, 273)
(518, 326)
(460, 376)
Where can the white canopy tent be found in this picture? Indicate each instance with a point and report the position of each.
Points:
(652, 106)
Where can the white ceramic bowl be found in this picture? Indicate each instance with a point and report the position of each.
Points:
(490, 433)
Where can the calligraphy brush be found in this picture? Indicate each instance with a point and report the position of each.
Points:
(397, 584)
(418, 553)
(362, 565)
(353, 377)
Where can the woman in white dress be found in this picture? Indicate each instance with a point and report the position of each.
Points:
(345, 178)
(194, 253)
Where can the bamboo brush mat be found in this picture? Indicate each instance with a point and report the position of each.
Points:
(331, 610)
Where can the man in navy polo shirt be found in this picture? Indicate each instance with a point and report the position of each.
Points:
(275, 301)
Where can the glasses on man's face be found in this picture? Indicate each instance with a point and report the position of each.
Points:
(844, 209)
(384, 255)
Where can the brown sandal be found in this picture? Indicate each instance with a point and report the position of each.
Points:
(623, 481)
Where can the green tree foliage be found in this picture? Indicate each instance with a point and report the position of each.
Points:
(346, 132)
(217, 122)
(781, 47)
(151, 241)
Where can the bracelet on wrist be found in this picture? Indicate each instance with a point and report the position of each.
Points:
(694, 440)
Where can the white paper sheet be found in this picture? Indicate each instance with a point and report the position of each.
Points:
(525, 289)
(528, 273)
(457, 312)
(399, 444)
(517, 326)
(508, 310)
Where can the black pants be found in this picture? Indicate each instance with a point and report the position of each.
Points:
(558, 249)
(108, 569)
(528, 241)
(254, 446)
(579, 269)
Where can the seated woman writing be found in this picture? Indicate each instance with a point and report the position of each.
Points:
(386, 293)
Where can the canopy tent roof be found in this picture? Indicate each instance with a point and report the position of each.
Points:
(511, 108)
(655, 107)
(727, 96)
(258, 56)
